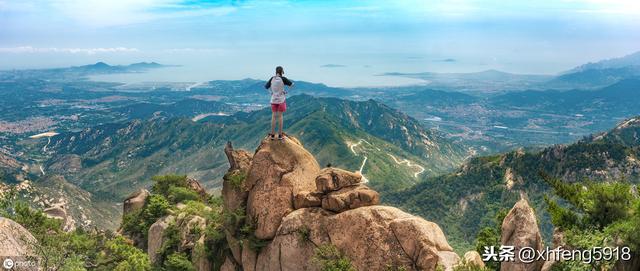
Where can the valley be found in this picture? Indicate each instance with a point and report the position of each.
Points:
(444, 152)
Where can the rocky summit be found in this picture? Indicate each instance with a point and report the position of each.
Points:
(294, 208)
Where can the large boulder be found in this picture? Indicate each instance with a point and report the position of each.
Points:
(520, 229)
(135, 201)
(156, 237)
(332, 179)
(373, 238)
(59, 211)
(300, 233)
(350, 198)
(16, 242)
(280, 169)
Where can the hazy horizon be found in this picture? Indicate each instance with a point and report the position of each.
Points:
(340, 43)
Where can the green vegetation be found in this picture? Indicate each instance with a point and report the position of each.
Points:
(304, 234)
(328, 258)
(594, 214)
(178, 262)
(237, 178)
(466, 201)
(76, 250)
(470, 267)
(137, 223)
(490, 236)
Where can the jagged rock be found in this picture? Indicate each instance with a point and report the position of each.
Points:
(350, 198)
(473, 258)
(306, 199)
(59, 211)
(332, 179)
(298, 208)
(422, 240)
(373, 238)
(15, 241)
(367, 237)
(292, 249)
(135, 201)
(520, 229)
(279, 170)
(238, 159)
(194, 185)
(234, 195)
(156, 237)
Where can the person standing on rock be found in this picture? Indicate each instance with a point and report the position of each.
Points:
(278, 104)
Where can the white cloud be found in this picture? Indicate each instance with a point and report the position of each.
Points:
(88, 51)
(99, 13)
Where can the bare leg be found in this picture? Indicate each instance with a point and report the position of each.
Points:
(280, 119)
(273, 122)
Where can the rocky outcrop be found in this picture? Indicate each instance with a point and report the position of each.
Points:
(156, 237)
(295, 207)
(234, 197)
(15, 241)
(520, 229)
(194, 185)
(135, 201)
(59, 211)
(279, 170)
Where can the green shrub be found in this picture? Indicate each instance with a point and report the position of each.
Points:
(236, 179)
(180, 194)
(170, 243)
(595, 215)
(178, 262)
(138, 223)
(328, 258)
(215, 244)
(162, 184)
(119, 254)
(304, 234)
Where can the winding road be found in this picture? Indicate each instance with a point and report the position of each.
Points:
(409, 164)
(364, 161)
(406, 162)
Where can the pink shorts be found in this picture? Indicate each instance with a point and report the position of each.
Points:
(279, 107)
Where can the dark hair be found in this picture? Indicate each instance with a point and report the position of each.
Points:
(279, 70)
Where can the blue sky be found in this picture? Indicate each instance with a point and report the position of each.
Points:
(338, 42)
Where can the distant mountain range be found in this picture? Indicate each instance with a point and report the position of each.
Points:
(76, 72)
(590, 75)
(613, 63)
